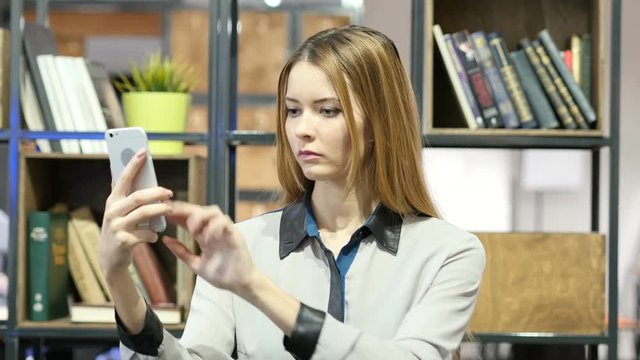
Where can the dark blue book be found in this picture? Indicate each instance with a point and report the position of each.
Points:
(540, 106)
(500, 95)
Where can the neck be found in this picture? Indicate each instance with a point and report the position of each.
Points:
(335, 210)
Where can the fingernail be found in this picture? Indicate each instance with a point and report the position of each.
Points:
(141, 152)
(169, 195)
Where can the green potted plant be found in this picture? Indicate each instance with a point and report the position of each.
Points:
(157, 98)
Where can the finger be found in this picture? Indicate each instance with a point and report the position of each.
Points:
(137, 199)
(192, 217)
(123, 184)
(182, 252)
(145, 235)
(217, 228)
(139, 215)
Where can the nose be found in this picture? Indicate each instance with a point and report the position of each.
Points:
(304, 128)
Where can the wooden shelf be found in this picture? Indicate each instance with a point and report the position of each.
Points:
(84, 180)
(515, 19)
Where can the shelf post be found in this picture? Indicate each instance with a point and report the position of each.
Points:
(614, 178)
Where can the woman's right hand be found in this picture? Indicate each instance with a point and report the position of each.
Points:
(123, 212)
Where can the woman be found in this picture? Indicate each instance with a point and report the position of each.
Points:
(356, 265)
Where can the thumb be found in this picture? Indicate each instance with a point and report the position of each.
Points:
(182, 252)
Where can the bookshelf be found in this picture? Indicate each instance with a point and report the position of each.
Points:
(84, 180)
(514, 20)
(442, 125)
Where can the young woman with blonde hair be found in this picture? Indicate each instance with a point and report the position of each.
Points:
(356, 265)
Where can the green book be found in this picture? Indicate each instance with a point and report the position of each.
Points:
(585, 65)
(48, 265)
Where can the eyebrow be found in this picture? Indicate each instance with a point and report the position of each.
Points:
(315, 101)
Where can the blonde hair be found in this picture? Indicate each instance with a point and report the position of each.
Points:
(365, 63)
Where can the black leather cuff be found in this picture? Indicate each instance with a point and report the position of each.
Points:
(306, 332)
(148, 340)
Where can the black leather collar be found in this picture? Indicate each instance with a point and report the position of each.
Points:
(385, 225)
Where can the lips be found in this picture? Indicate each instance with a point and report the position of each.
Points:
(306, 155)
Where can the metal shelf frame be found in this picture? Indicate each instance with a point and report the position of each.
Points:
(612, 142)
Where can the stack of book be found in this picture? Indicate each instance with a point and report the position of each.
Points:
(534, 86)
(63, 243)
(64, 93)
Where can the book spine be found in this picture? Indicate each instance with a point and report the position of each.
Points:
(542, 110)
(511, 81)
(585, 65)
(567, 58)
(39, 244)
(59, 266)
(35, 35)
(155, 279)
(505, 106)
(456, 81)
(573, 88)
(477, 81)
(548, 85)
(576, 115)
(464, 82)
(83, 277)
(576, 69)
(48, 267)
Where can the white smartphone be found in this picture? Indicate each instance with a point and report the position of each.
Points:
(122, 145)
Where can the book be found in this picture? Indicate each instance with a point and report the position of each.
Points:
(511, 80)
(464, 81)
(576, 49)
(548, 85)
(567, 58)
(573, 89)
(92, 107)
(73, 101)
(542, 109)
(88, 231)
(107, 96)
(501, 97)
(48, 265)
(477, 81)
(39, 40)
(154, 277)
(560, 84)
(5, 71)
(585, 65)
(82, 274)
(457, 77)
(31, 109)
(58, 105)
(105, 313)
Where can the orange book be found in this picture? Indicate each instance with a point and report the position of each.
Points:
(154, 277)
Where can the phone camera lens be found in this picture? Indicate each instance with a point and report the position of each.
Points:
(110, 134)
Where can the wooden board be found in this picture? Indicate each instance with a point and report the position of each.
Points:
(262, 51)
(315, 22)
(534, 282)
(190, 42)
(257, 118)
(257, 168)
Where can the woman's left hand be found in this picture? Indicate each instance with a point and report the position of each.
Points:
(224, 259)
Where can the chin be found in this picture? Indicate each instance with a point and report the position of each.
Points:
(317, 176)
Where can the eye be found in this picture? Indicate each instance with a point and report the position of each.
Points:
(330, 112)
(293, 112)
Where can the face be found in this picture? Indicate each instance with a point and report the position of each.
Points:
(315, 124)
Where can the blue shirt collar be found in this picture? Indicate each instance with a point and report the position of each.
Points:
(297, 224)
